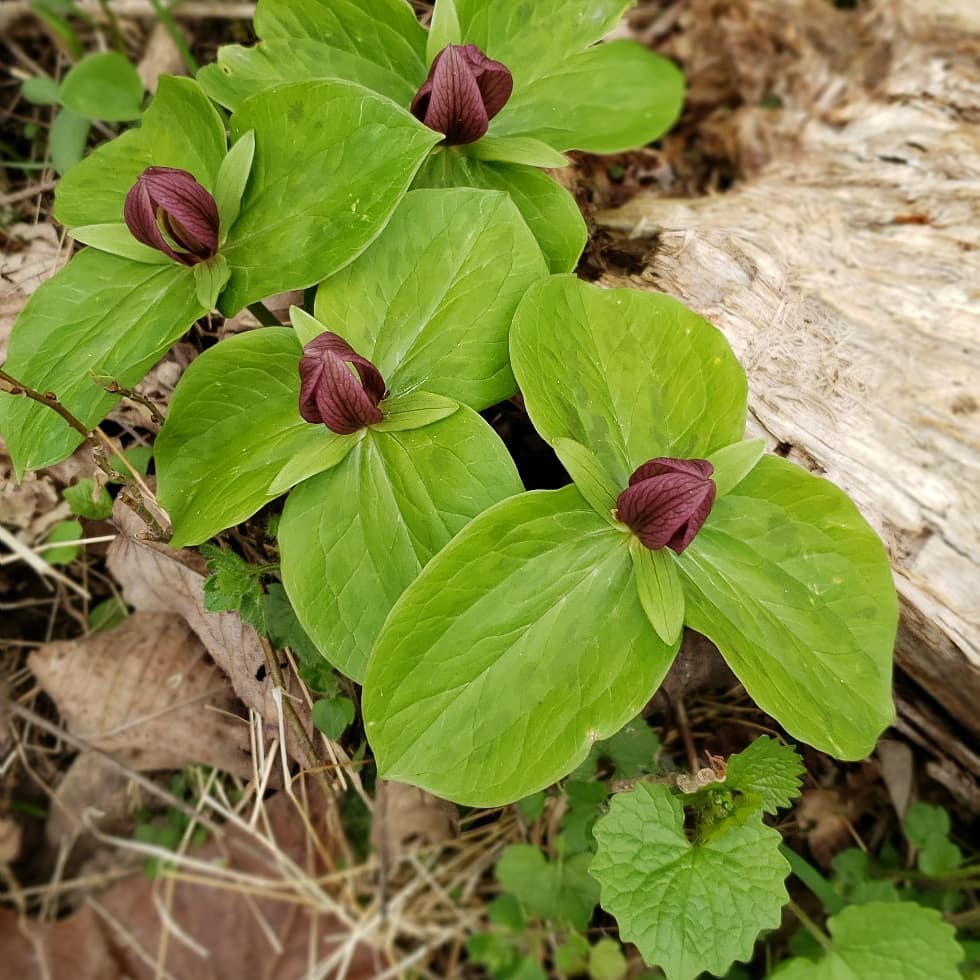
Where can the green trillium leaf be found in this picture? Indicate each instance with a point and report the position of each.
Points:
(242, 72)
(364, 151)
(383, 31)
(234, 438)
(533, 38)
(516, 149)
(181, 128)
(431, 301)
(589, 477)
(733, 463)
(443, 30)
(209, 279)
(689, 907)
(624, 96)
(549, 210)
(413, 411)
(659, 587)
(229, 185)
(537, 588)
(897, 940)
(354, 537)
(795, 589)
(629, 375)
(117, 239)
(100, 318)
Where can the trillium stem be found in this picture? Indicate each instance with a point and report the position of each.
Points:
(264, 315)
(134, 498)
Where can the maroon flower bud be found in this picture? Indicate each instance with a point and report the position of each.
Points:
(169, 210)
(667, 501)
(329, 391)
(464, 91)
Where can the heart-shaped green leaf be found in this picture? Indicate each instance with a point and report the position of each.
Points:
(354, 537)
(525, 638)
(332, 161)
(234, 438)
(431, 301)
(629, 375)
(242, 72)
(100, 319)
(689, 907)
(795, 589)
(181, 128)
(103, 86)
(532, 38)
(383, 31)
(549, 210)
(625, 96)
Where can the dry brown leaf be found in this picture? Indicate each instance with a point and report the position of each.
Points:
(10, 840)
(161, 57)
(897, 773)
(405, 815)
(145, 693)
(30, 254)
(216, 933)
(156, 578)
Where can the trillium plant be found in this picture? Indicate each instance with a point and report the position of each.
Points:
(398, 175)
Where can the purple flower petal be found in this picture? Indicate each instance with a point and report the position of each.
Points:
(169, 210)
(668, 501)
(330, 394)
(464, 91)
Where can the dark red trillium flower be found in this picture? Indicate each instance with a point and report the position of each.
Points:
(169, 210)
(464, 91)
(667, 501)
(329, 391)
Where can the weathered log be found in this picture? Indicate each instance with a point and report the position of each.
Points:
(846, 276)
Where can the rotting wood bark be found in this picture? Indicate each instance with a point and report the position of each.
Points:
(846, 276)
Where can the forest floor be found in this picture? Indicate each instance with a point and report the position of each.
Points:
(149, 838)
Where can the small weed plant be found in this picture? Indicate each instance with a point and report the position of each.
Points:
(399, 176)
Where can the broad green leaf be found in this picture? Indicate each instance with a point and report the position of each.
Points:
(232, 429)
(556, 891)
(795, 589)
(589, 477)
(242, 72)
(117, 239)
(209, 279)
(332, 716)
(332, 161)
(733, 463)
(658, 584)
(229, 184)
(606, 960)
(431, 301)
(63, 531)
(624, 96)
(383, 31)
(897, 940)
(925, 820)
(41, 90)
(84, 501)
(532, 38)
(100, 317)
(443, 29)
(689, 907)
(67, 140)
(354, 537)
(525, 639)
(767, 772)
(516, 149)
(181, 128)
(549, 210)
(103, 86)
(413, 411)
(631, 375)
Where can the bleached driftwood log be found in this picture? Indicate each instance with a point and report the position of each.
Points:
(846, 275)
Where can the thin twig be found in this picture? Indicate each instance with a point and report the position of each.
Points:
(115, 388)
